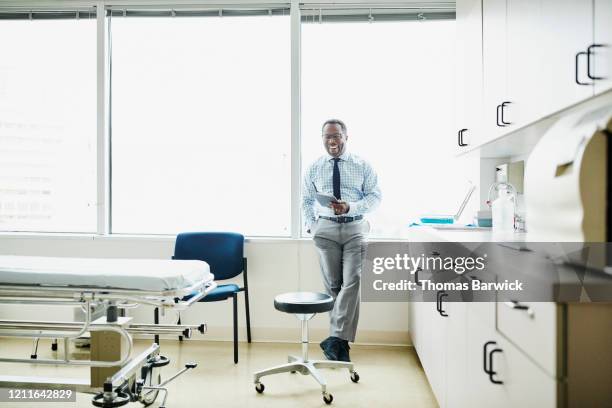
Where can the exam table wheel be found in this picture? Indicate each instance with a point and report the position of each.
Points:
(159, 361)
(54, 346)
(354, 377)
(259, 387)
(119, 400)
(327, 398)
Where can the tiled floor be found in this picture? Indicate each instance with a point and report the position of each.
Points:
(390, 376)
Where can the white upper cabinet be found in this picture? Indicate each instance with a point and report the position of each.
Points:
(469, 74)
(526, 63)
(567, 31)
(603, 50)
(494, 68)
(539, 57)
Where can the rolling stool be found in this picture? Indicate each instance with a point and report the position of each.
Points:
(305, 305)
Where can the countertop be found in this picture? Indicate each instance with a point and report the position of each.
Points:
(422, 233)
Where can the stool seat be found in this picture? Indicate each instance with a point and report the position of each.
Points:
(303, 302)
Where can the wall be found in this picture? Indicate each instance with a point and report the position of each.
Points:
(275, 266)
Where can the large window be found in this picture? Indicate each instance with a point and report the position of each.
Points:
(199, 111)
(48, 125)
(392, 83)
(201, 136)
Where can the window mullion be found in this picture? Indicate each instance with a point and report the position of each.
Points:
(296, 167)
(102, 121)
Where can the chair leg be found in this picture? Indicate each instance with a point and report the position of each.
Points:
(235, 301)
(156, 321)
(248, 315)
(34, 348)
(179, 322)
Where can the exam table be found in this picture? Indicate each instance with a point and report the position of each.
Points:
(116, 376)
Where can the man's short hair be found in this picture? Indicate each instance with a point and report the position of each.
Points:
(334, 122)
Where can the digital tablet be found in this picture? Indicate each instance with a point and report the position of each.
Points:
(325, 199)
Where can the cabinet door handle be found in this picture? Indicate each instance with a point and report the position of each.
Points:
(416, 276)
(491, 371)
(503, 105)
(577, 70)
(460, 137)
(441, 295)
(497, 118)
(485, 368)
(516, 305)
(589, 53)
(442, 312)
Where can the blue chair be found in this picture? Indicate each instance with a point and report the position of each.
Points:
(224, 253)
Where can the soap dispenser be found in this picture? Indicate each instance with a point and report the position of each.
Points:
(503, 208)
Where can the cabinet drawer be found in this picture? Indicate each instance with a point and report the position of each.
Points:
(524, 383)
(533, 330)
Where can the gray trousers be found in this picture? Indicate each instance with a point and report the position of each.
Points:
(341, 249)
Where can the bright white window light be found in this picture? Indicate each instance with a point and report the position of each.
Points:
(392, 83)
(201, 134)
(48, 125)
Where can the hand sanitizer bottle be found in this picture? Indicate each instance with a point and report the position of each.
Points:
(503, 210)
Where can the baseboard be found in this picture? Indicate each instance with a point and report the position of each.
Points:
(292, 335)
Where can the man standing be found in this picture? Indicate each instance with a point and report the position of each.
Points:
(340, 231)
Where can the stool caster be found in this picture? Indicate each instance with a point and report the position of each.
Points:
(354, 376)
(259, 387)
(327, 398)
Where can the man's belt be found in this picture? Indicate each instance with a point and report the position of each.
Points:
(342, 219)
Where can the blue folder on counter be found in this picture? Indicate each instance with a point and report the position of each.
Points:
(448, 219)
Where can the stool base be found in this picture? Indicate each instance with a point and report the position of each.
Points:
(304, 365)
(297, 364)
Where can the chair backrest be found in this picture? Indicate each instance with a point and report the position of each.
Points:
(223, 251)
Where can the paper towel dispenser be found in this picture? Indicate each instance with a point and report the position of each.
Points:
(566, 180)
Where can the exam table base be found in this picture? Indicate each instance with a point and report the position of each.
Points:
(127, 382)
(85, 384)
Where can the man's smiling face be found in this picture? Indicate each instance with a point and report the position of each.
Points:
(334, 139)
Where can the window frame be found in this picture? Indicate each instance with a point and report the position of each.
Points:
(300, 13)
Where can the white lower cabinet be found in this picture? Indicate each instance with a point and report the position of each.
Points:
(499, 374)
(429, 340)
(457, 386)
(523, 383)
(458, 352)
(472, 361)
(480, 327)
(532, 327)
(438, 353)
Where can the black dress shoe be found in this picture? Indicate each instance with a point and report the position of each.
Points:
(343, 353)
(331, 347)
